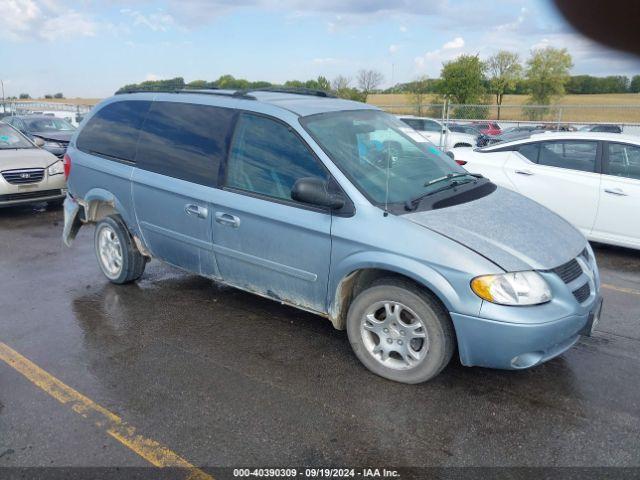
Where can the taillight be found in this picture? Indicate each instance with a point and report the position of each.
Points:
(459, 162)
(66, 161)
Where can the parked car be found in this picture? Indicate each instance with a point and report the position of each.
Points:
(337, 208)
(28, 174)
(591, 179)
(486, 140)
(487, 128)
(462, 128)
(55, 132)
(438, 134)
(604, 128)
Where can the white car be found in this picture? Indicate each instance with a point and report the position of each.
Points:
(437, 133)
(591, 179)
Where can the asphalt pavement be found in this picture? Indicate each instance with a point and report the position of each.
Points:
(227, 379)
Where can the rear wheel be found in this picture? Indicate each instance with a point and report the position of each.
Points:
(400, 332)
(118, 257)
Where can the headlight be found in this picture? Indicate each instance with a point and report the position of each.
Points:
(516, 288)
(56, 168)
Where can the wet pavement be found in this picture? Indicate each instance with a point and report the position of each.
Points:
(226, 378)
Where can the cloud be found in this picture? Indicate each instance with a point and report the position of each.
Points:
(159, 21)
(393, 48)
(48, 20)
(454, 44)
(433, 59)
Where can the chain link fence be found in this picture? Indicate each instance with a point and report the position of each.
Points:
(549, 117)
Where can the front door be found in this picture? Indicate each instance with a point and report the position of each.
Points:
(263, 240)
(561, 175)
(617, 219)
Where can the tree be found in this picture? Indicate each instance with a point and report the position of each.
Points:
(198, 84)
(547, 73)
(340, 83)
(368, 81)
(462, 80)
(25, 96)
(48, 96)
(418, 93)
(504, 71)
(634, 87)
(58, 95)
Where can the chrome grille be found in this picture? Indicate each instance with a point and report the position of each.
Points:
(22, 176)
(582, 293)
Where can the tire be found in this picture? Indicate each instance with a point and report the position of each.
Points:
(419, 341)
(117, 255)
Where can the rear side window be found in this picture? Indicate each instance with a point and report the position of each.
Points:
(624, 160)
(185, 141)
(573, 155)
(113, 131)
(268, 158)
(431, 126)
(413, 123)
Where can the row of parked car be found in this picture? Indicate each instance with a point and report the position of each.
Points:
(483, 133)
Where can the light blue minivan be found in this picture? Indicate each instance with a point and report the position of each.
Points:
(337, 208)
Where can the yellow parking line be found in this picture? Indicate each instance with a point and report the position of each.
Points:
(621, 289)
(152, 451)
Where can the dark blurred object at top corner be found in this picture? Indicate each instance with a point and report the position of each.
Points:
(612, 23)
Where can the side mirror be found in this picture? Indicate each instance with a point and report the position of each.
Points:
(315, 191)
(38, 141)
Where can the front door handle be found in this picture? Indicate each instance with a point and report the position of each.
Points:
(227, 219)
(196, 210)
(524, 172)
(615, 191)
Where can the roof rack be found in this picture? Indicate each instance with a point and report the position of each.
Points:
(292, 90)
(208, 91)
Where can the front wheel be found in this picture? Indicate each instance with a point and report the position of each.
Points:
(118, 257)
(400, 332)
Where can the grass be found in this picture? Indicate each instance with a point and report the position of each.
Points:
(613, 107)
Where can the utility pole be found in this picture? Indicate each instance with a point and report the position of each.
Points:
(4, 108)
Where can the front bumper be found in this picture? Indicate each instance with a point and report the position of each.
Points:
(494, 344)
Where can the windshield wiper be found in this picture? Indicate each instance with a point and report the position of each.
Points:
(446, 177)
(413, 203)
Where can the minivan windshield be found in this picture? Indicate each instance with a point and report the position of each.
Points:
(48, 124)
(11, 138)
(378, 153)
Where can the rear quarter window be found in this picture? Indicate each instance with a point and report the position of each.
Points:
(113, 131)
(185, 141)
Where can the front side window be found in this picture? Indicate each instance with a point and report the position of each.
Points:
(624, 161)
(268, 158)
(414, 123)
(383, 158)
(10, 138)
(530, 151)
(113, 131)
(571, 154)
(186, 141)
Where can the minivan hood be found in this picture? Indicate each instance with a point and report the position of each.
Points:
(509, 229)
(12, 159)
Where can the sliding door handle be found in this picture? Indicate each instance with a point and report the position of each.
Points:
(227, 219)
(527, 173)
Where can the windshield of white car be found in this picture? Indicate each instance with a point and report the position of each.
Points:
(12, 139)
(48, 124)
(388, 161)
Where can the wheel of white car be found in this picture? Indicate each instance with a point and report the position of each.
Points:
(118, 257)
(400, 332)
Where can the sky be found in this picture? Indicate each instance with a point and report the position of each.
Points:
(90, 48)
